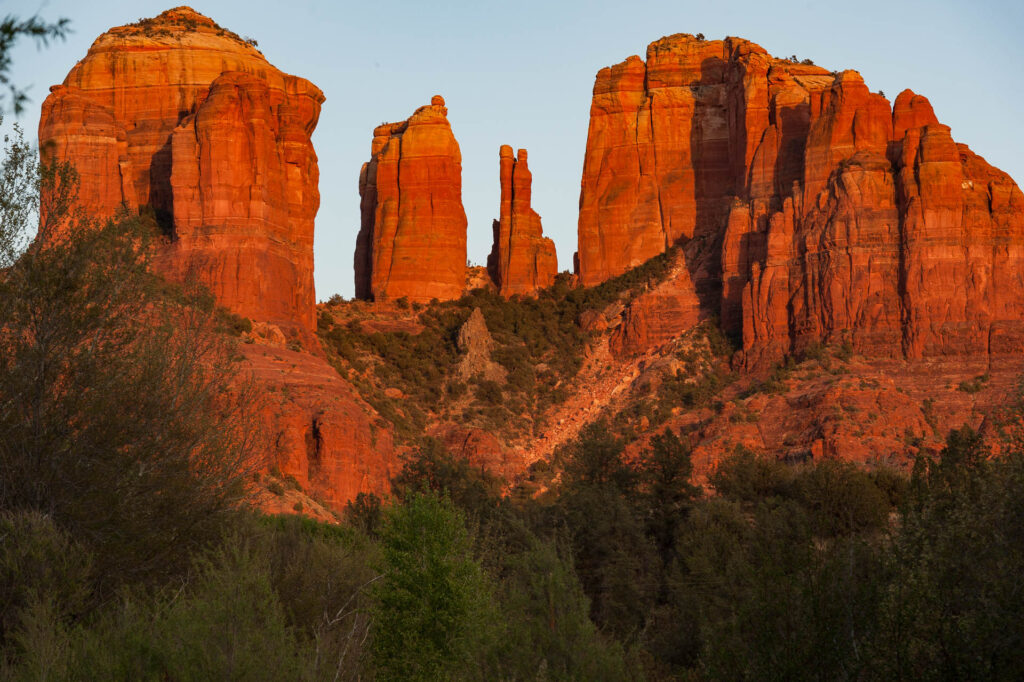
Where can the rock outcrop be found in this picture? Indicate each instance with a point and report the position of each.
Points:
(181, 117)
(657, 316)
(522, 260)
(475, 343)
(412, 242)
(319, 431)
(811, 209)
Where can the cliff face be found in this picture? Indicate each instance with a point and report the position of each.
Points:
(412, 242)
(812, 210)
(182, 116)
(522, 260)
(319, 431)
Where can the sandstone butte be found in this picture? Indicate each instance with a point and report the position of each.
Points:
(522, 259)
(179, 116)
(183, 118)
(810, 209)
(412, 240)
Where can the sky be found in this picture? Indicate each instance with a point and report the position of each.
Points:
(521, 73)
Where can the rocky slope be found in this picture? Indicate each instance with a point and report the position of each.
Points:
(812, 210)
(181, 117)
(522, 260)
(412, 243)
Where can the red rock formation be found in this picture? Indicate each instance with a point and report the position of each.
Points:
(180, 115)
(818, 213)
(412, 242)
(482, 450)
(656, 317)
(320, 431)
(522, 260)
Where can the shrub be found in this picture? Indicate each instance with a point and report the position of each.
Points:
(975, 385)
(120, 415)
(39, 564)
(842, 499)
(746, 477)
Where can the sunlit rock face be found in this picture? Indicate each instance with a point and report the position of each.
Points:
(522, 260)
(412, 243)
(178, 116)
(812, 209)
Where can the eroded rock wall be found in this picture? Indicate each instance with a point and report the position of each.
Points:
(182, 117)
(813, 211)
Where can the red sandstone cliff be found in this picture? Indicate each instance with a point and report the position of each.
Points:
(812, 210)
(182, 116)
(412, 242)
(320, 432)
(522, 260)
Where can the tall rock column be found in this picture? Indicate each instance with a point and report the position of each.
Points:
(412, 242)
(522, 260)
(244, 199)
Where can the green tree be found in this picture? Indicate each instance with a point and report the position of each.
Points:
(430, 467)
(666, 492)
(953, 608)
(11, 29)
(548, 633)
(432, 605)
(121, 417)
(614, 558)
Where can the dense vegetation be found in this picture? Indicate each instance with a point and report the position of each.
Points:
(127, 551)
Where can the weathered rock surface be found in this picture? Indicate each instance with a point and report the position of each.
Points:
(821, 213)
(522, 260)
(412, 241)
(476, 343)
(481, 450)
(657, 316)
(184, 117)
(320, 431)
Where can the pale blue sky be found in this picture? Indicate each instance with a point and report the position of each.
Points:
(521, 73)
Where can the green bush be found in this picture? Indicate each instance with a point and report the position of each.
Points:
(746, 477)
(432, 608)
(39, 564)
(842, 499)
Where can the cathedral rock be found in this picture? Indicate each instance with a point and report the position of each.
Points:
(522, 259)
(412, 241)
(811, 209)
(184, 118)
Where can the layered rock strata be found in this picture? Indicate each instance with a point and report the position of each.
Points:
(178, 116)
(522, 261)
(318, 429)
(812, 210)
(412, 241)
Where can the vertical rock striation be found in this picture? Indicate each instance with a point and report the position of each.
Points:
(412, 242)
(522, 260)
(811, 209)
(180, 116)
